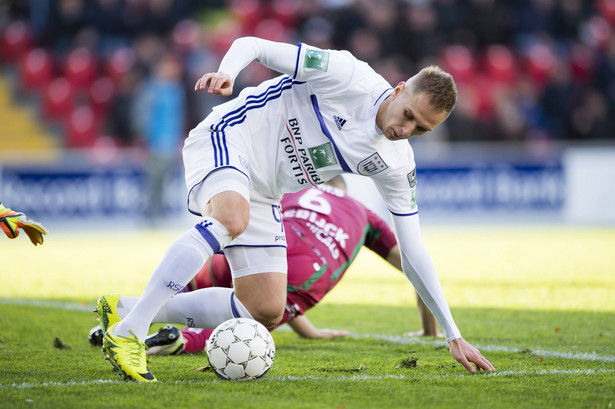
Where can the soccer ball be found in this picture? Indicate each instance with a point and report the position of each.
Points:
(240, 349)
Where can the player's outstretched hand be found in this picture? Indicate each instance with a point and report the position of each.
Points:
(330, 333)
(219, 83)
(11, 221)
(305, 329)
(466, 354)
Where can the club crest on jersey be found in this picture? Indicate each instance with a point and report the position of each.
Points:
(316, 59)
(323, 155)
(371, 165)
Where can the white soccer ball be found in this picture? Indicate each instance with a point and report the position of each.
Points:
(240, 349)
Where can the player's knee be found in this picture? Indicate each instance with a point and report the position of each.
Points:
(269, 315)
(231, 210)
(235, 224)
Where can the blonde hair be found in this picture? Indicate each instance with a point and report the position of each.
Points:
(439, 85)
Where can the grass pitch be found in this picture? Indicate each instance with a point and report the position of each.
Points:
(538, 302)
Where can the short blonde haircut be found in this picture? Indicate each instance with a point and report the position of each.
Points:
(439, 85)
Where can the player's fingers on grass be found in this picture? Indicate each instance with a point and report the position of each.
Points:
(485, 364)
(482, 363)
(466, 364)
(463, 360)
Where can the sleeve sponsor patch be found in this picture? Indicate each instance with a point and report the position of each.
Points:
(412, 178)
(316, 59)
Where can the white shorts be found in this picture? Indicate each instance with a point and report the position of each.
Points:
(245, 261)
(206, 151)
(207, 154)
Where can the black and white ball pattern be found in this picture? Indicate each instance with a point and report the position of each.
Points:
(240, 349)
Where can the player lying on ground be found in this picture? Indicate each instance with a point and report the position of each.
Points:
(329, 113)
(11, 221)
(325, 230)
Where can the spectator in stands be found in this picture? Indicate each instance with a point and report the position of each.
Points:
(410, 34)
(159, 112)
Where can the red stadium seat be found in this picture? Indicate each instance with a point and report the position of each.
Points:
(121, 61)
(80, 68)
(15, 42)
(607, 10)
(286, 12)
(499, 63)
(247, 13)
(36, 70)
(223, 35)
(582, 62)
(100, 95)
(57, 99)
(540, 62)
(81, 128)
(272, 30)
(459, 62)
(186, 35)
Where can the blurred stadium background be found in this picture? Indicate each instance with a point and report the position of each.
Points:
(96, 97)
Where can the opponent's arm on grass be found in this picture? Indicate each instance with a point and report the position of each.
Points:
(11, 221)
(305, 329)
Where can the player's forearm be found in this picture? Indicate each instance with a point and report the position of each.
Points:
(419, 269)
(280, 57)
(303, 327)
(394, 258)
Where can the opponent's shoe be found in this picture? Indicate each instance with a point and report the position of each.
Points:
(127, 355)
(167, 341)
(96, 336)
(106, 307)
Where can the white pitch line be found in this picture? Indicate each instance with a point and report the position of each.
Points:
(492, 348)
(70, 306)
(584, 356)
(30, 385)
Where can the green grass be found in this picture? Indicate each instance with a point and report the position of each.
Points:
(537, 301)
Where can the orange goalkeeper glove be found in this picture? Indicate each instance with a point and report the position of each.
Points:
(11, 222)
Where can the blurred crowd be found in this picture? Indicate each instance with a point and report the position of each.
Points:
(527, 70)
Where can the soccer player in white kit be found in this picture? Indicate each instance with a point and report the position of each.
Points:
(328, 114)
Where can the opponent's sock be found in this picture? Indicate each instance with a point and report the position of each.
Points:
(204, 308)
(195, 339)
(181, 262)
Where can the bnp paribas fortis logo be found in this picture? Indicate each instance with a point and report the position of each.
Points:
(316, 59)
(322, 155)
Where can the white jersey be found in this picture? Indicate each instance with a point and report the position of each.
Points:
(302, 129)
(315, 124)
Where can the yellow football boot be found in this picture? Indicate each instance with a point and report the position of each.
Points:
(106, 307)
(127, 355)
